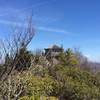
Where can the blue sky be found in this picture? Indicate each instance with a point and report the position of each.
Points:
(71, 23)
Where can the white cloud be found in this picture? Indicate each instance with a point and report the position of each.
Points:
(92, 58)
(40, 28)
(8, 11)
(56, 30)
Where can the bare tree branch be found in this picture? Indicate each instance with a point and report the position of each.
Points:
(12, 47)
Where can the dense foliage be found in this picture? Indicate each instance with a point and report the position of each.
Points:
(49, 81)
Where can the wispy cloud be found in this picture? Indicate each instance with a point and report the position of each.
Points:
(40, 28)
(25, 9)
(56, 30)
(10, 12)
(92, 58)
(6, 22)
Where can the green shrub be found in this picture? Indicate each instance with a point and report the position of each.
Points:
(37, 98)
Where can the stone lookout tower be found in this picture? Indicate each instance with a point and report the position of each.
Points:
(53, 51)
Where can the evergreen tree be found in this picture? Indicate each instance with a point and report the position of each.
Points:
(23, 59)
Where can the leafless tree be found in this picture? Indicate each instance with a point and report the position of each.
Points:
(11, 48)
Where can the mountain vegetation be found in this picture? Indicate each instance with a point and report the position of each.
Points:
(25, 75)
